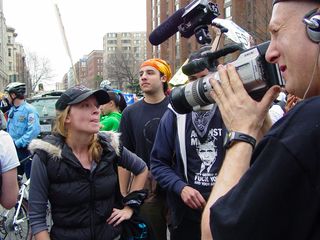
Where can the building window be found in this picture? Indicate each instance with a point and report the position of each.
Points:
(153, 9)
(158, 6)
(112, 42)
(136, 49)
(9, 52)
(10, 66)
(228, 12)
(153, 24)
(9, 39)
(112, 49)
(126, 41)
(113, 35)
(177, 5)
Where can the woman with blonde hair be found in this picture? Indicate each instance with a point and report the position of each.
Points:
(75, 169)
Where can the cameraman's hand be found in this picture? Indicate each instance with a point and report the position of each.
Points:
(239, 111)
(192, 198)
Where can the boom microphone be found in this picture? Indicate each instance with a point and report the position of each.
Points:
(208, 59)
(167, 28)
(224, 51)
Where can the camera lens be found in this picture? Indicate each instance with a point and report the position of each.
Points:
(192, 96)
(179, 102)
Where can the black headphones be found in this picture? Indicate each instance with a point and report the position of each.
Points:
(312, 21)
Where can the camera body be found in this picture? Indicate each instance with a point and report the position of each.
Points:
(255, 72)
(196, 18)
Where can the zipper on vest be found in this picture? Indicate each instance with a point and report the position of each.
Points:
(92, 226)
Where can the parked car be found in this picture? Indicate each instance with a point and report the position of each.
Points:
(45, 105)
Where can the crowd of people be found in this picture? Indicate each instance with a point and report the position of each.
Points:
(237, 169)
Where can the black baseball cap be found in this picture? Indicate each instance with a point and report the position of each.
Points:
(78, 94)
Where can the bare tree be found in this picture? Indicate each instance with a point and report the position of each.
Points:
(39, 69)
(123, 70)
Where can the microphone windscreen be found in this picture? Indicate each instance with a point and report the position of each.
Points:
(167, 28)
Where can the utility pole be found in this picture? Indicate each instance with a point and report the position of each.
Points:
(65, 41)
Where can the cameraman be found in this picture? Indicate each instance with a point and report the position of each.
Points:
(271, 191)
(186, 157)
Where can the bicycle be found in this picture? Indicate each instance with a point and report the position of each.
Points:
(14, 222)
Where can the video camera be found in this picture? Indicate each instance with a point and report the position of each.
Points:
(255, 72)
(196, 18)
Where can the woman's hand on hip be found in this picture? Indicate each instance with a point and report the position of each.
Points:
(119, 215)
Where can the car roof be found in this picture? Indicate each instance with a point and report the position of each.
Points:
(56, 93)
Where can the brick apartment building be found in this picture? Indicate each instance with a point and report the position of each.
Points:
(95, 68)
(81, 68)
(251, 15)
(89, 70)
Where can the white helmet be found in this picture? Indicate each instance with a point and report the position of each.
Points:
(17, 88)
(106, 85)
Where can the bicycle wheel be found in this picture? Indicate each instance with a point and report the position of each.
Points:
(20, 231)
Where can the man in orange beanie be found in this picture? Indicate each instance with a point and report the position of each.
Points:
(138, 127)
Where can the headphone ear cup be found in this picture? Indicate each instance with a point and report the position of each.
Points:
(314, 33)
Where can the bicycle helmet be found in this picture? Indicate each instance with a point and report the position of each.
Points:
(106, 85)
(17, 88)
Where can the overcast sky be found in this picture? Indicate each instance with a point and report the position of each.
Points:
(85, 23)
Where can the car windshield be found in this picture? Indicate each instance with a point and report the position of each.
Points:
(45, 107)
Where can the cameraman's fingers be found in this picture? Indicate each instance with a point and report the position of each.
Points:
(224, 81)
(235, 81)
(269, 97)
(217, 93)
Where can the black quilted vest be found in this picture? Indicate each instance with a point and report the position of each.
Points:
(81, 200)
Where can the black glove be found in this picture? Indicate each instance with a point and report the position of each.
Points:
(135, 199)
